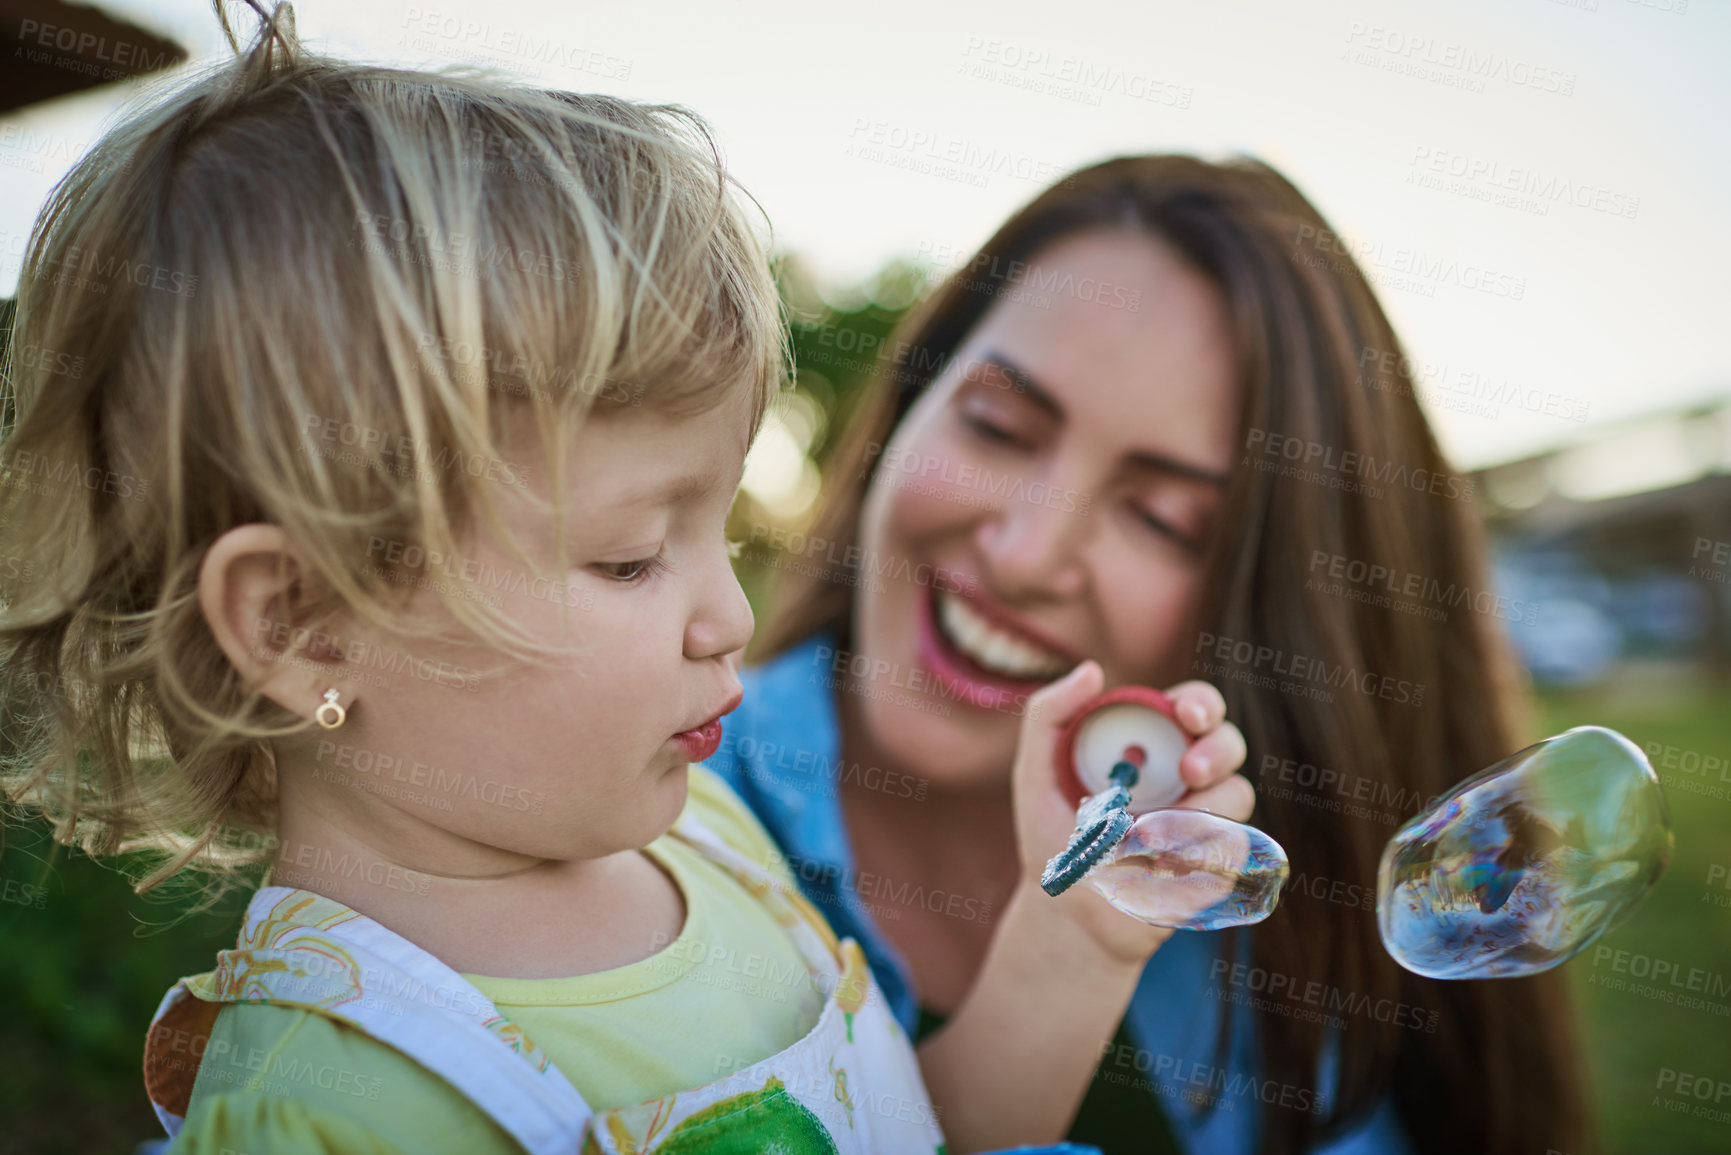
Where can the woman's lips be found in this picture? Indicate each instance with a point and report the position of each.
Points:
(958, 674)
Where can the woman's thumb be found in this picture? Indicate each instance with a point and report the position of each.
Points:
(1051, 708)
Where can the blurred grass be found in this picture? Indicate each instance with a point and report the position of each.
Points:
(1630, 1039)
(85, 964)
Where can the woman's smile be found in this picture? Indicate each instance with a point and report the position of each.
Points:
(979, 660)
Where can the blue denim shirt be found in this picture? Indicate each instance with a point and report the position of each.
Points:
(781, 752)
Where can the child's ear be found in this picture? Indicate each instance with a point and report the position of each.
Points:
(252, 590)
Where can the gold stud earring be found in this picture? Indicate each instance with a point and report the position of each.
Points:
(337, 713)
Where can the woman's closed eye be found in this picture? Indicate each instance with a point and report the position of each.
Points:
(1165, 528)
(990, 431)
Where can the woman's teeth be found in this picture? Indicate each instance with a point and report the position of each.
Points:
(991, 648)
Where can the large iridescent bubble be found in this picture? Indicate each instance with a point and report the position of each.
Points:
(1192, 870)
(1525, 864)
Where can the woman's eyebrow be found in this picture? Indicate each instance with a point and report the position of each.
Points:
(1138, 458)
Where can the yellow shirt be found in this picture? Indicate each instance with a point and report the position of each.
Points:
(730, 990)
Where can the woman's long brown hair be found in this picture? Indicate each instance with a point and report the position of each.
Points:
(1488, 1066)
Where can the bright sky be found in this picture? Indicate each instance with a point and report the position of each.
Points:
(1597, 287)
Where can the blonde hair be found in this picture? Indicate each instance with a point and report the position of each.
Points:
(316, 294)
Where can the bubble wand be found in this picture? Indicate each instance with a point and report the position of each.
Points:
(1164, 865)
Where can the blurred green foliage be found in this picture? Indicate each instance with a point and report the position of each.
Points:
(836, 339)
(85, 962)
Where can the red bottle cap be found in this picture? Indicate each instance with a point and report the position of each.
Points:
(1120, 724)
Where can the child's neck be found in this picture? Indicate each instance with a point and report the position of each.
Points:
(480, 909)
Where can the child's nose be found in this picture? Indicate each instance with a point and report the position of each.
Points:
(722, 621)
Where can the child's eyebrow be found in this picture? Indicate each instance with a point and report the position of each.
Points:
(674, 491)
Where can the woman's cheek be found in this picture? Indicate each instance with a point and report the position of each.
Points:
(1149, 618)
(923, 483)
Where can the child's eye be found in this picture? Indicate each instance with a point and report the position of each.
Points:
(630, 571)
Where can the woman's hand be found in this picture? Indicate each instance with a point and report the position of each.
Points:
(1045, 818)
(1013, 1062)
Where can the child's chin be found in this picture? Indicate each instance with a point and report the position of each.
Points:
(670, 792)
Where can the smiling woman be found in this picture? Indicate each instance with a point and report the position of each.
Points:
(1118, 427)
(1091, 472)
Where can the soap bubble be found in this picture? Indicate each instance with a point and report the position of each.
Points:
(1524, 865)
(1192, 870)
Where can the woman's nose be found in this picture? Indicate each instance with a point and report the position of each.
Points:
(1032, 548)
